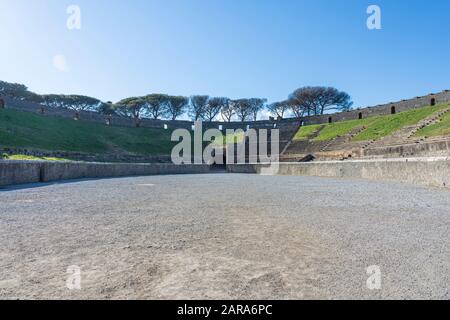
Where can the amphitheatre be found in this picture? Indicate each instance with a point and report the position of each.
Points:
(354, 189)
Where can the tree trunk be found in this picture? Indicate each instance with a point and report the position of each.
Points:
(137, 122)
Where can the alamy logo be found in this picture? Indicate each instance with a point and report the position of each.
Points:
(74, 19)
(211, 147)
(374, 280)
(73, 281)
(374, 19)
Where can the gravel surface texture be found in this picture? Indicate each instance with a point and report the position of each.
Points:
(224, 236)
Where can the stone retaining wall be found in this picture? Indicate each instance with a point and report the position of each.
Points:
(423, 149)
(422, 171)
(114, 120)
(360, 113)
(22, 172)
(87, 157)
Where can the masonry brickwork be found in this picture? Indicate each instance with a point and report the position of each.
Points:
(361, 113)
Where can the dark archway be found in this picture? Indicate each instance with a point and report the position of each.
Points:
(360, 116)
(330, 120)
(221, 164)
(393, 111)
(433, 101)
(2, 103)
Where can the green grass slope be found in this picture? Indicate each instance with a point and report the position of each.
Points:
(23, 157)
(27, 130)
(385, 125)
(376, 127)
(305, 132)
(442, 128)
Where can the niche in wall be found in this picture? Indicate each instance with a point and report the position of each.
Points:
(393, 110)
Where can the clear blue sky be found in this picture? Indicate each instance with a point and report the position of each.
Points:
(233, 48)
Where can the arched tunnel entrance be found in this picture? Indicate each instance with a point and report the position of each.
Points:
(218, 165)
(393, 111)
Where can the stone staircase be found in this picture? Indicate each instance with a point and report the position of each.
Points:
(316, 133)
(400, 143)
(406, 135)
(286, 138)
(338, 148)
(404, 142)
(297, 147)
(341, 142)
(427, 122)
(368, 144)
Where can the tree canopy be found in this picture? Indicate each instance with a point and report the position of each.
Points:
(134, 107)
(318, 100)
(214, 107)
(73, 102)
(198, 107)
(279, 109)
(107, 108)
(302, 102)
(227, 111)
(156, 105)
(18, 91)
(176, 106)
(243, 109)
(257, 105)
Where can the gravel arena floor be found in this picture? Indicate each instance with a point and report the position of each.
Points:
(224, 236)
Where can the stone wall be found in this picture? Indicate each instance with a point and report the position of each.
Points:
(421, 171)
(423, 149)
(23, 172)
(28, 106)
(384, 109)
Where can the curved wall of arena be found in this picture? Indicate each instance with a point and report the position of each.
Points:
(362, 113)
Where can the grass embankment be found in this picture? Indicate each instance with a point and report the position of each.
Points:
(384, 126)
(30, 158)
(305, 132)
(27, 130)
(376, 127)
(442, 128)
